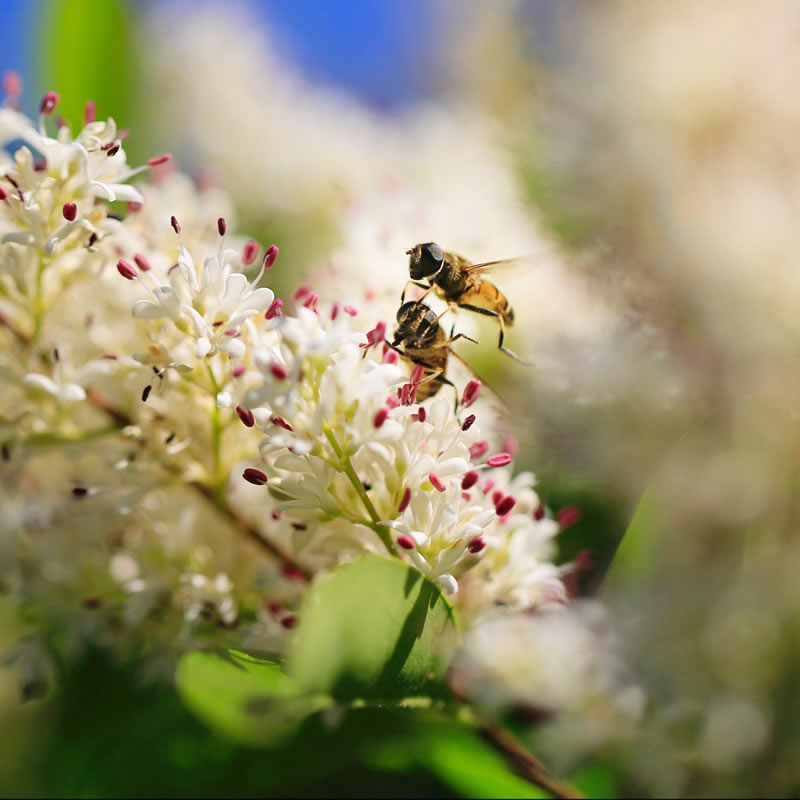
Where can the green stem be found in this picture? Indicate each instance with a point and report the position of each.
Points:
(38, 308)
(347, 468)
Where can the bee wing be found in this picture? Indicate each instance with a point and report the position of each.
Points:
(503, 408)
(489, 267)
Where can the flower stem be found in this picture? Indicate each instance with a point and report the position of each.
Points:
(38, 308)
(216, 438)
(347, 468)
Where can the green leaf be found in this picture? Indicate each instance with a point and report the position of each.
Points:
(246, 698)
(87, 52)
(375, 629)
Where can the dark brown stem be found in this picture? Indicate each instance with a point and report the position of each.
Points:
(525, 764)
(123, 420)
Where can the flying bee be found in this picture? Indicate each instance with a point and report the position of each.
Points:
(460, 283)
(421, 339)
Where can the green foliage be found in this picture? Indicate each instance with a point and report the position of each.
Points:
(87, 52)
(375, 629)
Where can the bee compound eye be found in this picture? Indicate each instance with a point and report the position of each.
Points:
(404, 310)
(434, 252)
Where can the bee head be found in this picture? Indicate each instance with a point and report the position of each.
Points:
(416, 322)
(425, 260)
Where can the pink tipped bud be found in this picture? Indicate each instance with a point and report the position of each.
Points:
(499, 460)
(90, 112)
(275, 310)
(468, 422)
(471, 392)
(254, 476)
(406, 542)
(246, 416)
(404, 500)
(351, 310)
(390, 357)
(142, 262)
(539, 512)
(49, 103)
(278, 371)
(222, 226)
(568, 516)
(469, 480)
(505, 506)
(249, 253)
(3, 193)
(271, 256)
(380, 417)
(238, 370)
(70, 211)
(126, 269)
(478, 449)
(437, 482)
(422, 414)
(157, 161)
(113, 150)
(311, 301)
(476, 545)
(175, 224)
(12, 84)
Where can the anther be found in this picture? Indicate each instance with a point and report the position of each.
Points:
(499, 460)
(142, 262)
(471, 392)
(278, 371)
(311, 301)
(510, 445)
(417, 374)
(351, 310)
(49, 103)
(568, 516)
(476, 545)
(126, 269)
(437, 482)
(497, 496)
(238, 370)
(157, 161)
(290, 621)
(406, 542)
(249, 253)
(246, 416)
(3, 193)
(303, 290)
(422, 414)
(113, 150)
(254, 476)
(271, 256)
(390, 357)
(221, 226)
(380, 417)
(505, 506)
(469, 480)
(175, 224)
(79, 491)
(275, 310)
(468, 422)
(90, 112)
(539, 512)
(478, 449)
(146, 392)
(70, 211)
(404, 500)
(334, 311)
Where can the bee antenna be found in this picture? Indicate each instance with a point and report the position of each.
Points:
(409, 252)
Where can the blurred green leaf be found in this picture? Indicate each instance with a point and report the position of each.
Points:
(596, 781)
(375, 629)
(246, 698)
(87, 52)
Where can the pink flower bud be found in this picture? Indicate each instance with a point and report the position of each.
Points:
(254, 476)
(499, 460)
(126, 269)
(70, 211)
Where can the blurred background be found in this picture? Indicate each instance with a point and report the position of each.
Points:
(642, 158)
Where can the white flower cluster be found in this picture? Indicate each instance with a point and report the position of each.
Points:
(141, 369)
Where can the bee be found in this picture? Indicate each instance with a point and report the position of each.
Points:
(421, 339)
(459, 282)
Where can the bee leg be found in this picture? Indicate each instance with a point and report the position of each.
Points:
(459, 336)
(490, 313)
(417, 284)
